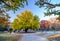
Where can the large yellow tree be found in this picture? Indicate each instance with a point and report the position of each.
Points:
(26, 20)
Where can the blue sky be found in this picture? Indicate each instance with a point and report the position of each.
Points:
(34, 9)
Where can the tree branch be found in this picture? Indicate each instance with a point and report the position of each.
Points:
(51, 4)
(5, 3)
(48, 3)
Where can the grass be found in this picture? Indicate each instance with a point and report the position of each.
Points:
(53, 36)
(9, 37)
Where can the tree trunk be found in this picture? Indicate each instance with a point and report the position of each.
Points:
(26, 29)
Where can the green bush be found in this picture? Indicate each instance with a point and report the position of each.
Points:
(2, 27)
(52, 28)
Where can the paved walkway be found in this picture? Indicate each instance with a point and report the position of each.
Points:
(33, 37)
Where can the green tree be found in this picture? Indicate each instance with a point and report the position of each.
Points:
(50, 7)
(26, 20)
(7, 5)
